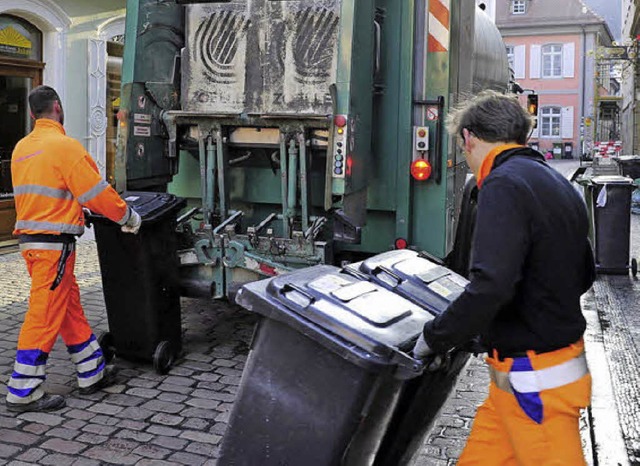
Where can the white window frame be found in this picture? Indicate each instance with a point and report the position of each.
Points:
(518, 7)
(511, 56)
(551, 113)
(554, 52)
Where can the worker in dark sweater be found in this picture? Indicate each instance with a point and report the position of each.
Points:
(531, 262)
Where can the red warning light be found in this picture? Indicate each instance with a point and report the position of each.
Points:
(349, 165)
(420, 169)
(401, 243)
(422, 132)
(340, 121)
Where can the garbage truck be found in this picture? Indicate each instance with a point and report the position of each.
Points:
(302, 132)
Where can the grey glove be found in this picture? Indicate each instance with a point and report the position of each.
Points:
(422, 351)
(133, 224)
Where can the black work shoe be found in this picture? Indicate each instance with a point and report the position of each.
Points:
(44, 404)
(108, 379)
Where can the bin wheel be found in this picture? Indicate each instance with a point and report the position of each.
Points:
(105, 340)
(634, 268)
(163, 357)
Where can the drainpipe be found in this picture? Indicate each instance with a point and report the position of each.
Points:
(583, 78)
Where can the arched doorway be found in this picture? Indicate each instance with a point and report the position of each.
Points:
(21, 68)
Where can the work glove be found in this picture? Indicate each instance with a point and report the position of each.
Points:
(133, 224)
(422, 351)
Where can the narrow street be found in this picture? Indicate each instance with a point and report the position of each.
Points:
(180, 418)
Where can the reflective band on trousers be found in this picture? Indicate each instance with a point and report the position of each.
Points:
(542, 379)
(44, 246)
(43, 191)
(49, 226)
(85, 353)
(29, 370)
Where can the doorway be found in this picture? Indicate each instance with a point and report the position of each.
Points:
(20, 71)
(15, 85)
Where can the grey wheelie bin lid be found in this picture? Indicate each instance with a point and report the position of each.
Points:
(415, 277)
(361, 321)
(433, 287)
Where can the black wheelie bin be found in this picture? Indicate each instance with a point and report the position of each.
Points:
(326, 369)
(433, 287)
(140, 282)
(611, 206)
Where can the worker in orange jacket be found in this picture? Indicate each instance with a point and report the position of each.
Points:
(531, 262)
(53, 178)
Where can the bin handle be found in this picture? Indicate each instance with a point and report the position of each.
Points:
(382, 269)
(291, 287)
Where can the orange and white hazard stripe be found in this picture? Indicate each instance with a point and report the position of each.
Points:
(439, 24)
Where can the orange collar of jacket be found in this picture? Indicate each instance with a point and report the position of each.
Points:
(46, 123)
(487, 163)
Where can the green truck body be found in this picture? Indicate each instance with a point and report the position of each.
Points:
(292, 126)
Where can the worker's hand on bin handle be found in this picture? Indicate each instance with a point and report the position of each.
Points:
(133, 224)
(432, 360)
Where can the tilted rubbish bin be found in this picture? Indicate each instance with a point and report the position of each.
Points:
(326, 369)
(433, 287)
(140, 281)
(629, 165)
(611, 204)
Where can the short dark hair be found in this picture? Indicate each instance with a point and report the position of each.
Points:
(41, 100)
(492, 117)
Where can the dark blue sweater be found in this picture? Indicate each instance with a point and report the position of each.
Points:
(531, 262)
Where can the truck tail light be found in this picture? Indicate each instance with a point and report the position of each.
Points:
(420, 170)
(401, 243)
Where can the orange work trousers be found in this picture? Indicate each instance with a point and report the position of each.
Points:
(52, 312)
(504, 435)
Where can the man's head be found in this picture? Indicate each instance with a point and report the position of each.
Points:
(488, 120)
(44, 102)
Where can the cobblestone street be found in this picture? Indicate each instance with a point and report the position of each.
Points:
(178, 418)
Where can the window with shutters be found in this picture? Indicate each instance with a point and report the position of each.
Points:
(511, 56)
(550, 122)
(518, 7)
(552, 61)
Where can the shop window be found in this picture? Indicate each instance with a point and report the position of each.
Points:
(19, 39)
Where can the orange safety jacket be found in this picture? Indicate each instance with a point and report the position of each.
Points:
(53, 177)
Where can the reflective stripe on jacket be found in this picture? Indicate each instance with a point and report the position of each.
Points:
(53, 177)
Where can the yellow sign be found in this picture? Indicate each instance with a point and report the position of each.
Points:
(14, 43)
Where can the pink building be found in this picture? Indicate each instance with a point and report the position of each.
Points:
(551, 46)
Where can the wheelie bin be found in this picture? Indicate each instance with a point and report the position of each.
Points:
(629, 165)
(327, 367)
(427, 283)
(140, 282)
(611, 204)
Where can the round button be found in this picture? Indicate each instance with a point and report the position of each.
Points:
(339, 151)
(339, 157)
(338, 171)
(338, 164)
(339, 144)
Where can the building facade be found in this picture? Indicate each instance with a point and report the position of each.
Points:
(74, 46)
(551, 47)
